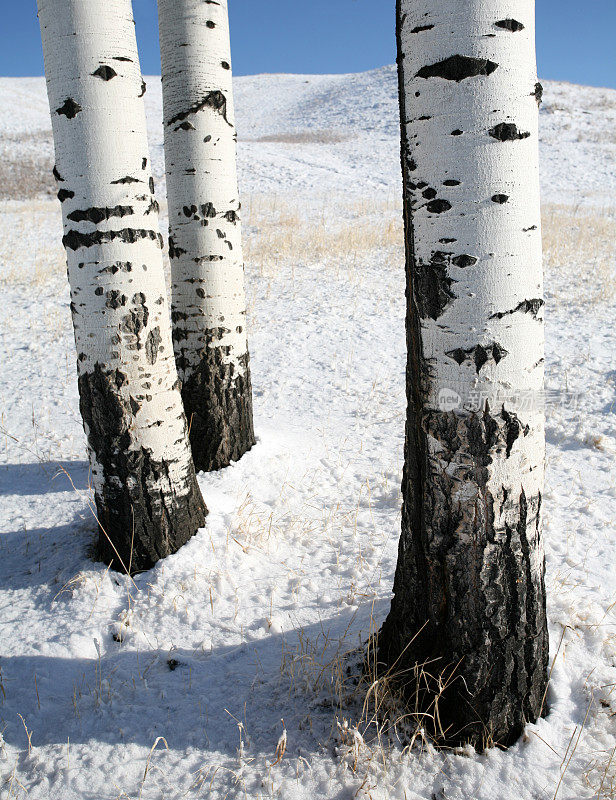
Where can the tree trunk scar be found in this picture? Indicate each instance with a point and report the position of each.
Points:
(458, 68)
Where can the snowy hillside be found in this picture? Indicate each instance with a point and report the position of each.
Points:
(247, 631)
(284, 120)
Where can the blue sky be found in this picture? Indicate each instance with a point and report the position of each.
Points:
(576, 39)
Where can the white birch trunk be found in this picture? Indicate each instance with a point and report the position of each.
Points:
(471, 561)
(205, 244)
(147, 498)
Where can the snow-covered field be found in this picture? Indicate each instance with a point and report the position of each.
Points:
(181, 682)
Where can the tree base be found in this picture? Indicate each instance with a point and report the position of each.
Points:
(143, 514)
(135, 531)
(431, 690)
(467, 678)
(219, 411)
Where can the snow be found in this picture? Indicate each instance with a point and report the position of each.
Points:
(243, 635)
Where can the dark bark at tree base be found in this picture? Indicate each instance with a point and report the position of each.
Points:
(218, 406)
(140, 523)
(467, 632)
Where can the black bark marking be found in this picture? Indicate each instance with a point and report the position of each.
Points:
(143, 89)
(500, 198)
(510, 25)
(526, 307)
(445, 240)
(451, 182)
(152, 343)
(97, 215)
(123, 58)
(513, 429)
(214, 100)
(105, 72)
(119, 266)
(464, 261)
(438, 206)
(231, 216)
(153, 208)
(73, 240)
(57, 175)
(144, 163)
(507, 132)
(429, 194)
(144, 514)
(225, 65)
(115, 299)
(208, 210)
(498, 352)
(136, 320)
(126, 179)
(210, 24)
(205, 259)
(538, 93)
(479, 355)
(65, 194)
(532, 228)
(458, 68)
(457, 132)
(420, 28)
(174, 250)
(69, 108)
(432, 287)
(186, 126)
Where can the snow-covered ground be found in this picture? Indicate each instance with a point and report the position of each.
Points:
(245, 633)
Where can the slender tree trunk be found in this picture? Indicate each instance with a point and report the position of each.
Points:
(147, 497)
(469, 595)
(205, 244)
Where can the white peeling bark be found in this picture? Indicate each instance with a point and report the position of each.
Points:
(205, 244)
(147, 497)
(471, 562)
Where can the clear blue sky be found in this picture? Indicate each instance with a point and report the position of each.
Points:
(576, 38)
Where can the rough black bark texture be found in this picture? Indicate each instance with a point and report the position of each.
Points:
(466, 638)
(139, 525)
(218, 407)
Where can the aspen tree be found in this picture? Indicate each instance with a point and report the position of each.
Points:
(467, 626)
(205, 245)
(147, 499)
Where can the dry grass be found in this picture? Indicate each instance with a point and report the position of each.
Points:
(339, 233)
(306, 137)
(579, 254)
(26, 162)
(27, 258)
